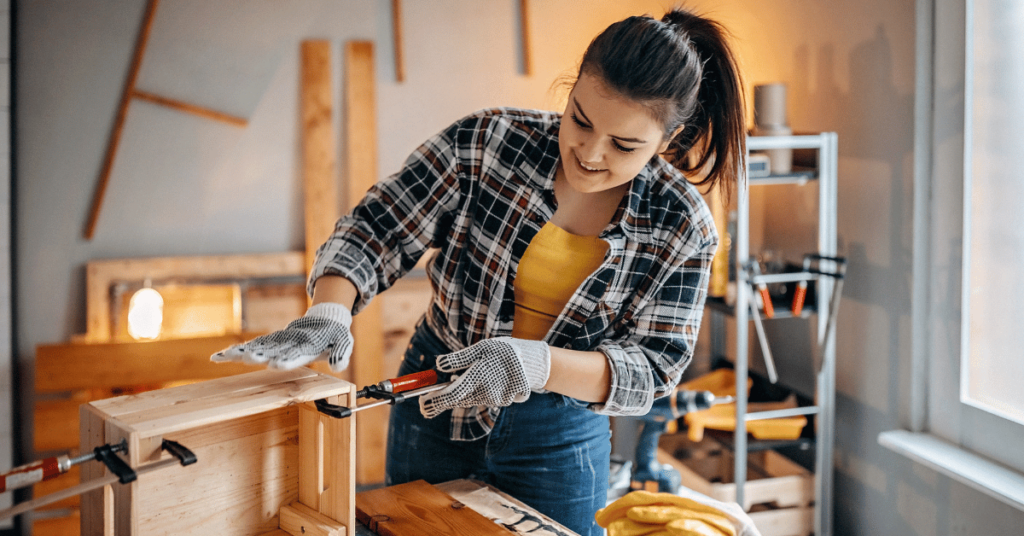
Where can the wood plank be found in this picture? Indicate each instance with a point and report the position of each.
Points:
(360, 174)
(100, 275)
(55, 425)
(94, 504)
(396, 34)
(300, 520)
(338, 500)
(119, 119)
(57, 526)
(524, 35)
(159, 413)
(418, 508)
(318, 162)
(106, 365)
(311, 457)
(193, 109)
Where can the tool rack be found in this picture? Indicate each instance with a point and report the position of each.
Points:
(827, 280)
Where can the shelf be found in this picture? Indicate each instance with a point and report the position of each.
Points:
(798, 176)
(780, 305)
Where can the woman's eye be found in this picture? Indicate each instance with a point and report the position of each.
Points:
(623, 149)
(579, 123)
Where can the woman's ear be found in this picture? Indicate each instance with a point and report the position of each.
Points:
(665, 143)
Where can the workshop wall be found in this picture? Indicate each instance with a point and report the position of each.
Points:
(183, 185)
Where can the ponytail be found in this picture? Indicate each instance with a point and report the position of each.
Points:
(682, 69)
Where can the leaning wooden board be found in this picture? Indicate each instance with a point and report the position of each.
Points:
(420, 509)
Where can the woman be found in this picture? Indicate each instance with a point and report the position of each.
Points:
(571, 268)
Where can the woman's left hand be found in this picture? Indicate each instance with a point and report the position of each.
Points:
(495, 372)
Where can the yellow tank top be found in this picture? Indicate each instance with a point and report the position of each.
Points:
(554, 265)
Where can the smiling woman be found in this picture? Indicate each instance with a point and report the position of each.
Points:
(572, 265)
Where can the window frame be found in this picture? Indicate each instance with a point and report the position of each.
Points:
(968, 444)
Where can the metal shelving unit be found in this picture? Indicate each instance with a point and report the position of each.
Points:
(823, 409)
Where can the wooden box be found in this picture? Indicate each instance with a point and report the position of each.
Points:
(778, 494)
(268, 462)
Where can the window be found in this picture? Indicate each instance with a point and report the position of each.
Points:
(993, 297)
(965, 410)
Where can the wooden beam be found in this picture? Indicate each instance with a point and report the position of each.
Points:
(122, 113)
(107, 365)
(318, 163)
(524, 35)
(396, 33)
(190, 108)
(360, 174)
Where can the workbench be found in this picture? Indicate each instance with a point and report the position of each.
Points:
(500, 508)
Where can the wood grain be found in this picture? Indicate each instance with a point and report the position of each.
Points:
(360, 174)
(418, 508)
(105, 365)
(318, 161)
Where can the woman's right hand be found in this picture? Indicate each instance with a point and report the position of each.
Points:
(324, 331)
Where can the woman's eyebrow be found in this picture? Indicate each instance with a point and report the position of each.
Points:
(587, 119)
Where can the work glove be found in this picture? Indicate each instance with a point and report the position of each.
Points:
(493, 372)
(323, 329)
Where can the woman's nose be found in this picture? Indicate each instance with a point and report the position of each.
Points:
(589, 151)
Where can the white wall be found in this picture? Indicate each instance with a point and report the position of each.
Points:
(187, 186)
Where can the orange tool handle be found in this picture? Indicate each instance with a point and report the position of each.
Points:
(29, 474)
(769, 310)
(413, 381)
(798, 298)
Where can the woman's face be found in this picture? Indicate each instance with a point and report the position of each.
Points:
(605, 139)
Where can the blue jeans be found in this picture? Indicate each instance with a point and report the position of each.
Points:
(549, 452)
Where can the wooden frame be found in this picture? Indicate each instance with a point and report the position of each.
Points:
(101, 275)
(267, 459)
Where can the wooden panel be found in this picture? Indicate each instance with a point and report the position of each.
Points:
(272, 307)
(318, 163)
(106, 365)
(57, 526)
(417, 508)
(360, 174)
(55, 425)
(241, 472)
(100, 275)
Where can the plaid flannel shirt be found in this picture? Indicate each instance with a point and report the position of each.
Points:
(477, 193)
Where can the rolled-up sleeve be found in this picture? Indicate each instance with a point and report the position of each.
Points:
(649, 360)
(399, 219)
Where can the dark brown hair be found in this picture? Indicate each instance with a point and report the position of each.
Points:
(682, 70)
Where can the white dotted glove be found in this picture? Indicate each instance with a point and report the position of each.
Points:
(497, 373)
(325, 327)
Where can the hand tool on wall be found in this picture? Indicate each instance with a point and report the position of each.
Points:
(654, 424)
(121, 472)
(387, 392)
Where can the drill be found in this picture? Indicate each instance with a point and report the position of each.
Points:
(654, 423)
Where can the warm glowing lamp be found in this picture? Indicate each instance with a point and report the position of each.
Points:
(145, 314)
